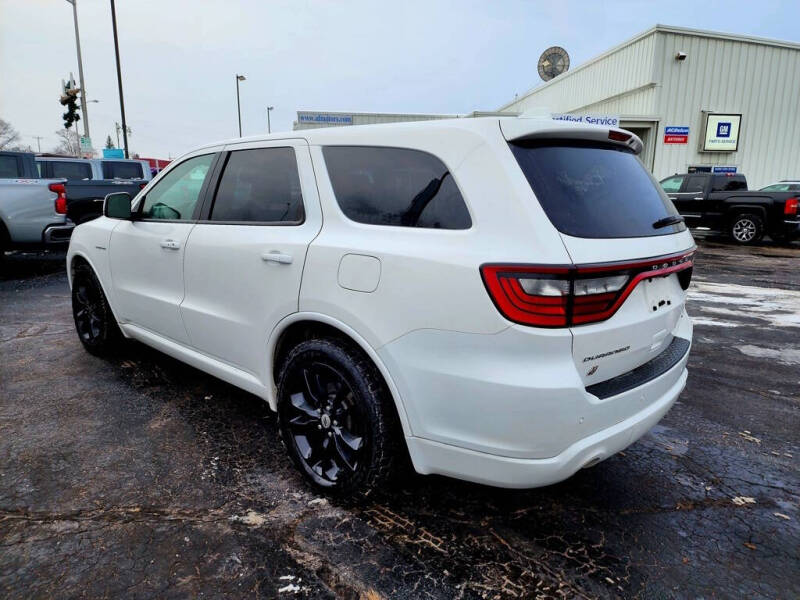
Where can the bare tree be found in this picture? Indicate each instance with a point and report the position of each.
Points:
(68, 143)
(8, 136)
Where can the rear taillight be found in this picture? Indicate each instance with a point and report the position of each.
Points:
(790, 207)
(61, 199)
(547, 296)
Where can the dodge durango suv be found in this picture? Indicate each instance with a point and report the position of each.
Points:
(499, 300)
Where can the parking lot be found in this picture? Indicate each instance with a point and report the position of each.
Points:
(142, 477)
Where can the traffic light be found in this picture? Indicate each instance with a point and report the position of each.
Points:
(69, 98)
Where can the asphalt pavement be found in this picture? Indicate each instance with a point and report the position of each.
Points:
(142, 477)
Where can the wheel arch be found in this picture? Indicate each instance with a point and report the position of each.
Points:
(77, 257)
(748, 209)
(299, 326)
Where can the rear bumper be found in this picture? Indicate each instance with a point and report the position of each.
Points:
(57, 235)
(512, 410)
(444, 459)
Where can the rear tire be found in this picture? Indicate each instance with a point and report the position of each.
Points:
(337, 419)
(746, 228)
(95, 323)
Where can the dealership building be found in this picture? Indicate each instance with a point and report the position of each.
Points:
(699, 100)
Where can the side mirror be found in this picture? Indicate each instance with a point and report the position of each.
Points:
(117, 206)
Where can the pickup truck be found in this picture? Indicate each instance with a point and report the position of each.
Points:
(33, 211)
(71, 168)
(722, 202)
(85, 198)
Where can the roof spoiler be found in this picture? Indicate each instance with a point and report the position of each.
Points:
(532, 129)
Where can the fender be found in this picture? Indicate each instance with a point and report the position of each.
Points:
(71, 255)
(272, 397)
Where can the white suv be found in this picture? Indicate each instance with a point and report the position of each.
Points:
(499, 300)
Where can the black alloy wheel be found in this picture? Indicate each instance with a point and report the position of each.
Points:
(96, 326)
(335, 418)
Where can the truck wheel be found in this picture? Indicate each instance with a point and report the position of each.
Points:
(746, 228)
(337, 419)
(96, 325)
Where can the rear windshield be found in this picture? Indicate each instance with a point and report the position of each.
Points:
(594, 190)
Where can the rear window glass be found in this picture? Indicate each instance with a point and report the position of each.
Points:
(594, 190)
(695, 183)
(723, 183)
(122, 170)
(259, 186)
(395, 186)
(9, 167)
(71, 170)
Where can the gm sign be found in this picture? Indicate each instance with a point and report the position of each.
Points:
(721, 133)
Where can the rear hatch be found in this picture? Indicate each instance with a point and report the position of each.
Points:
(631, 256)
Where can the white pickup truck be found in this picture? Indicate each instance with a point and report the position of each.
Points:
(33, 211)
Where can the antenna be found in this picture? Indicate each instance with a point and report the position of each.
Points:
(553, 62)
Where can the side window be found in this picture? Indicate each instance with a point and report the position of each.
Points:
(175, 196)
(259, 186)
(9, 167)
(695, 183)
(71, 170)
(723, 183)
(395, 186)
(672, 184)
(122, 170)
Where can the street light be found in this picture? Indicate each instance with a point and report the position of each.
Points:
(238, 104)
(269, 127)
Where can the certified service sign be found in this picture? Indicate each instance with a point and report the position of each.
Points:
(722, 133)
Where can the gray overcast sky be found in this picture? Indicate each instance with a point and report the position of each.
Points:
(179, 58)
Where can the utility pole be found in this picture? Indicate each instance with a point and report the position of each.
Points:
(269, 126)
(238, 105)
(119, 77)
(38, 141)
(84, 108)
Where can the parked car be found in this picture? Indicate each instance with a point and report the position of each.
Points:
(32, 209)
(82, 169)
(722, 202)
(501, 300)
(786, 185)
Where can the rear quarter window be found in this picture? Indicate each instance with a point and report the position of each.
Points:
(122, 170)
(592, 190)
(395, 186)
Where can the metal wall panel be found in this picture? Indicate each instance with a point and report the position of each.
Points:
(759, 80)
(616, 73)
(641, 80)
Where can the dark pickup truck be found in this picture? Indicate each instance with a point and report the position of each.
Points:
(85, 197)
(722, 202)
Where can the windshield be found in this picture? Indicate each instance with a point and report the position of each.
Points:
(595, 190)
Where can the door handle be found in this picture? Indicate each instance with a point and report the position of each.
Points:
(170, 244)
(277, 257)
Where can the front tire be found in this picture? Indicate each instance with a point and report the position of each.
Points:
(95, 323)
(746, 228)
(337, 420)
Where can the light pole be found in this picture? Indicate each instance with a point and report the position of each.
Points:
(269, 127)
(84, 108)
(119, 78)
(238, 105)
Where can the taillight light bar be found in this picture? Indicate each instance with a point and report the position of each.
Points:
(563, 296)
(790, 207)
(61, 199)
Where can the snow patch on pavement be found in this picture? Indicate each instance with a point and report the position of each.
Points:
(785, 356)
(778, 307)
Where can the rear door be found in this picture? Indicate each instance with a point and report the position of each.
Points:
(613, 218)
(690, 202)
(147, 253)
(244, 259)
